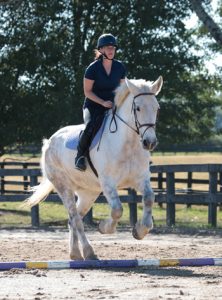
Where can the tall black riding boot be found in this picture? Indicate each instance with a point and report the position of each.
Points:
(83, 146)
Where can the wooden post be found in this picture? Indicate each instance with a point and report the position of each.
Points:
(160, 181)
(160, 185)
(88, 219)
(220, 184)
(212, 206)
(170, 209)
(2, 181)
(25, 185)
(34, 209)
(189, 181)
(189, 185)
(132, 207)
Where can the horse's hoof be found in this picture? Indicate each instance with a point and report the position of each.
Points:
(140, 230)
(106, 228)
(75, 257)
(92, 257)
(88, 253)
(135, 234)
(101, 227)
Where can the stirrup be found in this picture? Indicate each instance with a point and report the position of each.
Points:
(80, 163)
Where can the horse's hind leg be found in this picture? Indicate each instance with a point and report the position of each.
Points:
(68, 199)
(85, 201)
(76, 228)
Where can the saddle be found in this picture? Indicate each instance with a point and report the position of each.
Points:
(73, 140)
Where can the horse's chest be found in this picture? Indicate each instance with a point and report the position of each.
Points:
(125, 173)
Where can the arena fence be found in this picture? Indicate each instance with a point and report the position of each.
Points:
(17, 177)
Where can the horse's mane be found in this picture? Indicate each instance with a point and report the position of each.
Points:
(122, 91)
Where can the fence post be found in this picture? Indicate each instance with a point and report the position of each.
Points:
(189, 185)
(220, 185)
(132, 207)
(34, 209)
(160, 181)
(212, 206)
(25, 184)
(189, 181)
(170, 209)
(88, 218)
(2, 181)
(160, 185)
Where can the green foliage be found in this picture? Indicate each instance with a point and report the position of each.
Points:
(190, 116)
(46, 46)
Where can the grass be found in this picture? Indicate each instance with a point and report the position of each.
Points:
(196, 216)
(54, 214)
(11, 214)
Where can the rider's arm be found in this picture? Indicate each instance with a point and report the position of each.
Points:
(87, 86)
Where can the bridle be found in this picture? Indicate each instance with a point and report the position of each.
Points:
(137, 123)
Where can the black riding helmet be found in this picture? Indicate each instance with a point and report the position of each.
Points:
(106, 39)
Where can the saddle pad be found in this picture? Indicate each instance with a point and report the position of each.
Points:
(73, 138)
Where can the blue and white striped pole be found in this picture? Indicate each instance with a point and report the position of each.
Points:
(110, 264)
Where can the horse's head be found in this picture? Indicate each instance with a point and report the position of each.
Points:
(145, 108)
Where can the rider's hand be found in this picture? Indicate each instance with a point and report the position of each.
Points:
(108, 104)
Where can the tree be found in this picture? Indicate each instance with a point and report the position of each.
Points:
(35, 73)
(212, 27)
(46, 46)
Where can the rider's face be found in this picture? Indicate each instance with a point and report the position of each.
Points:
(109, 51)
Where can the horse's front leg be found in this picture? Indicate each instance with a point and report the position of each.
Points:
(110, 192)
(146, 224)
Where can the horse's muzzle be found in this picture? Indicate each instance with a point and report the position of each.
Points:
(149, 145)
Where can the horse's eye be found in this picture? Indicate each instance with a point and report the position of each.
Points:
(138, 108)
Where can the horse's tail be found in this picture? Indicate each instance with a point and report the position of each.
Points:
(42, 190)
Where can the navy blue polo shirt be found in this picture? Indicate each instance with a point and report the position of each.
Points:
(104, 85)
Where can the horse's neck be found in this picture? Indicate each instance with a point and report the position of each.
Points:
(124, 133)
(125, 112)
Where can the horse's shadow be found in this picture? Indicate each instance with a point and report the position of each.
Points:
(166, 272)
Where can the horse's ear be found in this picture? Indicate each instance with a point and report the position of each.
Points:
(132, 88)
(157, 85)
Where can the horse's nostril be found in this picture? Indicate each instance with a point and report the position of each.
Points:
(145, 143)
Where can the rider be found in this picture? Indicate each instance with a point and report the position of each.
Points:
(101, 79)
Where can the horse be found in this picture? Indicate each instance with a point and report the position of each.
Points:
(121, 161)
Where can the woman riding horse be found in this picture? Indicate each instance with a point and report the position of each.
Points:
(101, 78)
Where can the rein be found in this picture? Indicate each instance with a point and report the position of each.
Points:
(137, 123)
(114, 114)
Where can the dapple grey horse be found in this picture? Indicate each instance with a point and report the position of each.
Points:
(122, 161)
